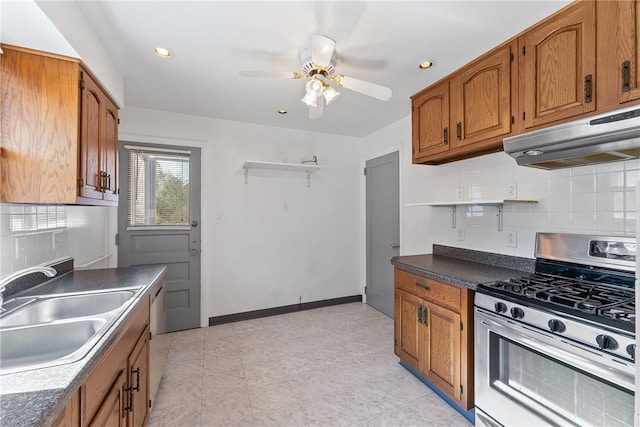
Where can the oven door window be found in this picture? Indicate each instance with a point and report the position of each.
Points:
(548, 386)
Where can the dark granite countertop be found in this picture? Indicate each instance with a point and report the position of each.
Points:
(464, 267)
(37, 397)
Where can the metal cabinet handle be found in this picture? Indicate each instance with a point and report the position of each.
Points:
(126, 399)
(425, 316)
(588, 88)
(445, 136)
(137, 372)
(425, 287)
(626, 76)
(459, 130)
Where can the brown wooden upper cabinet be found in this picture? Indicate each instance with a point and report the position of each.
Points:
(430, 116)
(60, 132)
(482, 95)
(98, 143)
(468, 112)
(618, 39)
(582, 60)
(557, 72)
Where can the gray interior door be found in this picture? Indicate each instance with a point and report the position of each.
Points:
(383, 229)
(159, 222)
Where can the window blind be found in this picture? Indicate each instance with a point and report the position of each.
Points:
(158, 183)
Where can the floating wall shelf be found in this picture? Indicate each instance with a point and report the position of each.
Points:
(308, 169)
(453, 205)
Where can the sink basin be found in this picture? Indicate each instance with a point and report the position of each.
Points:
(47, 344)
(66, 307)
(45, 331)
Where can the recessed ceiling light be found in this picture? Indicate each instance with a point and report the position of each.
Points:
(162, 52)
(283, 112)
(429, 63)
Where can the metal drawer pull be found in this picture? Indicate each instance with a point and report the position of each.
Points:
(425, 287)
(137, 372)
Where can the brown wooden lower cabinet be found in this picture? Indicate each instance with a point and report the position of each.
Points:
(434, 333)
(119, 386)
(70, 417)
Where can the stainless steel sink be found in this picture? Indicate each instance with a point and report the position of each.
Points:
(37, 346)
(45, 331)
(66, 307)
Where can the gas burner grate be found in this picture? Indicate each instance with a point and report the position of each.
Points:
(587, 297)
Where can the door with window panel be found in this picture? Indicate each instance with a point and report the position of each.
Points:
(158, 222)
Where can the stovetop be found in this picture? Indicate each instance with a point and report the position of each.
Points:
(599, 302)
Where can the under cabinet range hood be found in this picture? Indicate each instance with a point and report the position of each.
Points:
(597, 139)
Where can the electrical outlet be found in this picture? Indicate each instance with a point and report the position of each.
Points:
(512, 239)
(20, 249)
(512, 191)
(58, 240)
(460, 194)
(460, 233)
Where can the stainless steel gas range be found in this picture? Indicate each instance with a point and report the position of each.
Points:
(557, 347)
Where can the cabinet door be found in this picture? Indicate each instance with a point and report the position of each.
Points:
(441, 362)
(39, 116)
(557, 66)
(409, 332)
(110, 151)
(113, 411)
(481, 99)
(430, 117)
(628, 42)
(139, 381)
(90, 156)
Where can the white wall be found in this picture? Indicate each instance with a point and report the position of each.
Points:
(589, 199)
(263, 254)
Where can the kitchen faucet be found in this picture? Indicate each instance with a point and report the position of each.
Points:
(47, 271)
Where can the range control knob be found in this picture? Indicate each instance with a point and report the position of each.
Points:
(556, 326)
(606, 342)
(517, 313)
(631, 350)
(500, 307)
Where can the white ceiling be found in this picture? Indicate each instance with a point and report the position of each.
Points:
(378, 41)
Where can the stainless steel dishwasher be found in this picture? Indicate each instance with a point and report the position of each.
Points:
(160, 340)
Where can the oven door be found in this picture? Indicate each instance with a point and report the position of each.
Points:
(527, 377)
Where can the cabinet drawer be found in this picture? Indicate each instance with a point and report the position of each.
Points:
(433, 290)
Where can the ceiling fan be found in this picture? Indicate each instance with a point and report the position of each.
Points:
(318, 62)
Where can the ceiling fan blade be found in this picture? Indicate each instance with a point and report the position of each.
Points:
(316, 112)
(274, 74)
(322, 48)
(382, 93)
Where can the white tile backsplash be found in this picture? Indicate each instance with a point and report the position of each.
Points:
(588, 199)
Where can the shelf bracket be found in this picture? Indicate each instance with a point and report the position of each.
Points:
(246, 175)
(453, 216)
(500, 217)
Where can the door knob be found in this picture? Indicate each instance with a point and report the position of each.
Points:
(194, 223)
(395, 246)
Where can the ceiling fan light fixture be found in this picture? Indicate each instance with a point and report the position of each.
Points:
(313, 90)
(330, 94)
(163, 52)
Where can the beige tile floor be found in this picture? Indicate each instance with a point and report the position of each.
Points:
(331, 366)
